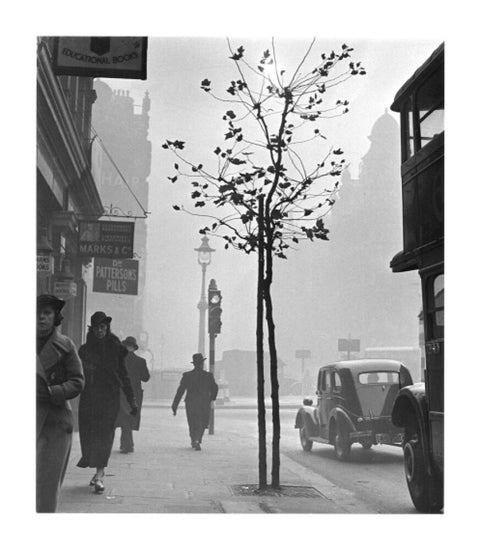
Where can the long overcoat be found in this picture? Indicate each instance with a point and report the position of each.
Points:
(59, 378)
(137, 372)
(105, 374)
(201, 390)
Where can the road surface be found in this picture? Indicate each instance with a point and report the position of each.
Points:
(375, 476)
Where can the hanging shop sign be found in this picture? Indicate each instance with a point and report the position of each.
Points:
(106, 239)
(115, 276)
(44, 265)
(105, 56)
(65, 289)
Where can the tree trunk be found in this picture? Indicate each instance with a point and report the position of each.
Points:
(273, 368)
(262, 437)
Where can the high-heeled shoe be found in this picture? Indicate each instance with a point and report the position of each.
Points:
(99, 487)
(92, 481)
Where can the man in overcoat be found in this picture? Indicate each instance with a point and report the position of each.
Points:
(201, 390)
(59, 378)
(137, 371)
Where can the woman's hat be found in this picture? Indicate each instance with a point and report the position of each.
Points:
(197, 357)
(98, 318)
(50, 300)
(130, 341)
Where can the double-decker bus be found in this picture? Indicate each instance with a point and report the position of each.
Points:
(419, 408)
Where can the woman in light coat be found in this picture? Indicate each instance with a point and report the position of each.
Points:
(59, 378)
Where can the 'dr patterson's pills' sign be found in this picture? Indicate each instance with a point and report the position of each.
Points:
(106, 239)
(107, 56)
(115, 276)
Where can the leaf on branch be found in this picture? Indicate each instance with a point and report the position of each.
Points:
(231, 114)
(337, 152)
(238, 54)
(217, 151)
(199, 204)
(174, 179)
(307, 212)
(205, 85)
(237, 161)
(196, 194)
(176, 166)
(176, 207)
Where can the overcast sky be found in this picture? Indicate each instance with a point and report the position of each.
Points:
(181, 110)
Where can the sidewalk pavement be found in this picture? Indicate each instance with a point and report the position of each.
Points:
(165, 474)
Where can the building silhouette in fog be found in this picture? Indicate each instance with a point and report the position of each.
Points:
(345, 286)
(122, 130)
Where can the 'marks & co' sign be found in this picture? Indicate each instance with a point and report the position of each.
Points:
(106, 239)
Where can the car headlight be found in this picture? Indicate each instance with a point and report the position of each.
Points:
(359, 419)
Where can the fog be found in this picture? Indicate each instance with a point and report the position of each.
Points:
(325, 290)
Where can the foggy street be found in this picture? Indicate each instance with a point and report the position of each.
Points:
(175, 178)
(165, 475)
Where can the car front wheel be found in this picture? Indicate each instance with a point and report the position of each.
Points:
(341, 444)
(304, 439)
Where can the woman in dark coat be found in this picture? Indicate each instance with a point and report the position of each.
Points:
(137, 372)
(103, 358)
(59, 378)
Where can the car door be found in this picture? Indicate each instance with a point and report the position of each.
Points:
(325, 401)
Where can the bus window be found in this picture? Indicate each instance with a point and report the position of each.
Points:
(407, 124)
(435, 296)
(431, 108)
(438, 290)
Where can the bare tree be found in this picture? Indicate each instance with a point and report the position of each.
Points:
(269, 195)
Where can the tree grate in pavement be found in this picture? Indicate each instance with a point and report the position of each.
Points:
(298, 491)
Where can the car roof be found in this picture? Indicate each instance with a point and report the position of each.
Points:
(365, 365)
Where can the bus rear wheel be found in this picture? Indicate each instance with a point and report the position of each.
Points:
(426, 492)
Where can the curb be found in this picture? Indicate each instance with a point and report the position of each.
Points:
(153, 405)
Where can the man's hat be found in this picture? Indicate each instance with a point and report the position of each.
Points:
(98, 318)
(196, 357)
(50, 300)
(130, 341)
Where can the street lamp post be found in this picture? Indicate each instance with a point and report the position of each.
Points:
(204, 258)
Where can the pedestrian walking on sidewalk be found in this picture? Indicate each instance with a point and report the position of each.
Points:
(137, 372)
(59, 378)
(103, 358)
(201, 390)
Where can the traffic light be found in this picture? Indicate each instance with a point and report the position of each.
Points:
(214, 311)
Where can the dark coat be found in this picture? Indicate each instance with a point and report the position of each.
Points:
(137, 372)
(201, 390)
(105, 374)
(59, 378)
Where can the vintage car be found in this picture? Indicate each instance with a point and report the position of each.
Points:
(354, 405)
